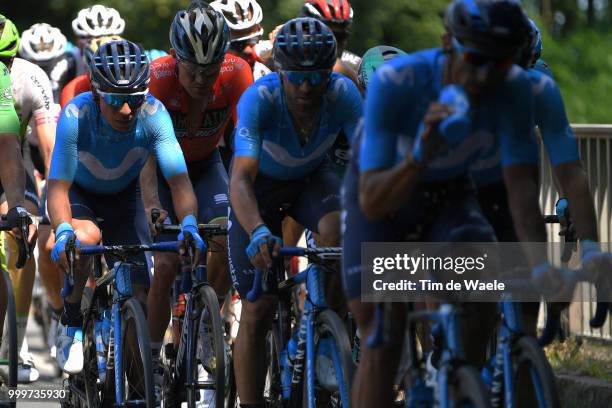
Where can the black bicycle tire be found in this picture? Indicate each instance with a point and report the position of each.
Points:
(274, 397)
(94, 399)
(11, 322)
(131, 309)
(328, 321)
(466, 383)
(207, 298)
(231, 399)
(527, 347)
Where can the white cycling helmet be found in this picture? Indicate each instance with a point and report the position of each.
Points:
(42, 42)
(240, 15)
(97, 21)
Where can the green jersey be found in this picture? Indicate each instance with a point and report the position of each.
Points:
(9, 122)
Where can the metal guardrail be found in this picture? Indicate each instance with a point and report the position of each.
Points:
(596, 154)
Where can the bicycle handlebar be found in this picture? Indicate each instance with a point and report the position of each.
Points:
(260, 280)
(170, 246)
(25, 251)
(209, 230)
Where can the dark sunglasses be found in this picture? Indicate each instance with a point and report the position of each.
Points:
(315, 78)
(193, 69)
(477, 58)
(240, 45)
(117, 100)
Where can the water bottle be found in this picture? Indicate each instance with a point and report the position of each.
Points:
(457, 126)
(100, 349)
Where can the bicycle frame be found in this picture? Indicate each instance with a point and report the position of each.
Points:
(119, 279)
(191, 282)
(314, 304)
(511, 328)
(452, 353)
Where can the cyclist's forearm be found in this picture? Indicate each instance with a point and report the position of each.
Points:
(575, 187)
(244, 202)
(523, 199)
(382, 192)
(46, 140)
(183, 197)
(12, 172)
(58, 203)
(148, 184)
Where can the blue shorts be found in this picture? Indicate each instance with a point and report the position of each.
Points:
(210, 184)
(306, 200)
(441, 212)
(124, 222)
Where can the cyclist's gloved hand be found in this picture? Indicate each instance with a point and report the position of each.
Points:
(62, 234)
(429, 142)
(556, 284)
(258, 249)
(13, 217)
(561, 208)
(190, 225)
(595, 262)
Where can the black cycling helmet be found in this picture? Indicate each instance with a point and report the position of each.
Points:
(200, 34)
(496, 28)
(304, 44)
(372, 59)
(119, 66)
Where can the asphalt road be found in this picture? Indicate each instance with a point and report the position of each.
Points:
(48, 370)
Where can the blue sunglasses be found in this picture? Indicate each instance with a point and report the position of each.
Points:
(117, 100)
(315, 78)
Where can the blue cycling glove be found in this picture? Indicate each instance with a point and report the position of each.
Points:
(62, 234)
(561, 207)
(190, 224)
(452, 131)
(591, 251)
(261, 235)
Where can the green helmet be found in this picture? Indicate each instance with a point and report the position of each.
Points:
(9, 37)
(372, 59)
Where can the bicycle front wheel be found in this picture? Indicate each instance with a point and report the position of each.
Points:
(334, 367)
(537, 387)
(467, 389)
(137, 385)
(9, 335)
(208, 361)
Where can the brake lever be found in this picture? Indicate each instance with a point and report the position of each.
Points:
(25, 252)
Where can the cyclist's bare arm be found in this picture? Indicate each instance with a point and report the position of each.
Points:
(242, 196)
(523, 198)
(12, 172)
(573, 183)
(46, 140)
(58, 202)
(183, 197)
(150, 195)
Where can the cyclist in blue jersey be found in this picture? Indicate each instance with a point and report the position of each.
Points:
(287, 122)
(562, 148)
(408, 182)
(104, 138)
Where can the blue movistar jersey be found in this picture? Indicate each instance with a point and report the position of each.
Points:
(265, 130)
(89, 152)
(550, 118)
(400, 94)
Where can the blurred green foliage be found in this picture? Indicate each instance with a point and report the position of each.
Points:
(579, 53)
